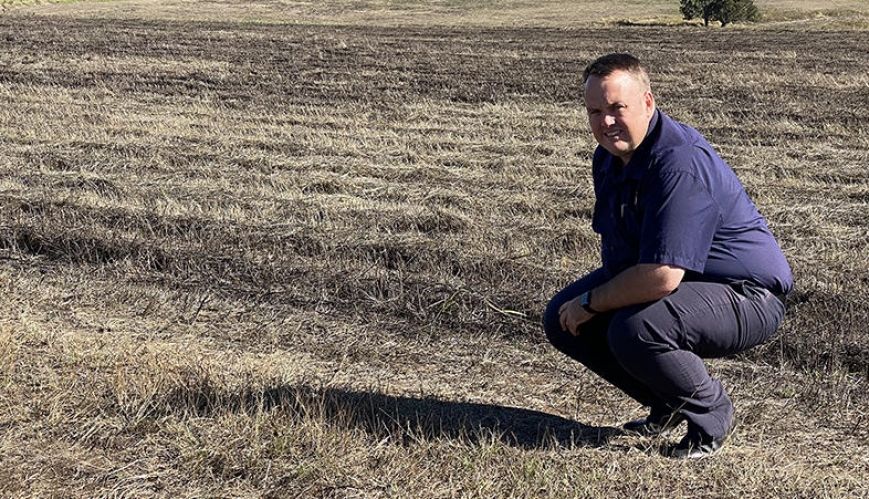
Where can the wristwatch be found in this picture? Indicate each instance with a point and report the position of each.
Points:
(585, 302)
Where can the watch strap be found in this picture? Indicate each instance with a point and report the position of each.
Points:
(585, 302)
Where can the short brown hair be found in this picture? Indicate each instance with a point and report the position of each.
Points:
(606, 65)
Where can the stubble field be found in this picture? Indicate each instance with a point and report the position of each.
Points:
(309, 259)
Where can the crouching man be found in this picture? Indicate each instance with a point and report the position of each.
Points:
(689, 270)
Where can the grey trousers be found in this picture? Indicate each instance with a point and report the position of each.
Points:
(653, 351)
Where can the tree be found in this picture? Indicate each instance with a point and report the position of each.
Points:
(723, 11)
(692, 9)
(737, 10)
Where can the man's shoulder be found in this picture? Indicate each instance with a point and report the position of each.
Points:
(674, 135)
(679, 147)
(598, 159)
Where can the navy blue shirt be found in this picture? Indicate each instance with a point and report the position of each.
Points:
(678, 203)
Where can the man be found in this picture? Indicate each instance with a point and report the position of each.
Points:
(690, 269)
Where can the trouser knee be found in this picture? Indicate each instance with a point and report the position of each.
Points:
(552, 326)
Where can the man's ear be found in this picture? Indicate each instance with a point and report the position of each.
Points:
(649, 101)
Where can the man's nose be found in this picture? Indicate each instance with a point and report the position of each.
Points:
(609, 120)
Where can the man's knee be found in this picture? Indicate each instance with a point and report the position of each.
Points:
(560, 338)
(552, 325)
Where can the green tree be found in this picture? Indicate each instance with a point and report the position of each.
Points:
(692, 9)
(723, 11)
(737, 10)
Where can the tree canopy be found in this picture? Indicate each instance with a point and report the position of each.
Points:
(723, 11)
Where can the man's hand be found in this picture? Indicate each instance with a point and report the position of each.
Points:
(571, 315)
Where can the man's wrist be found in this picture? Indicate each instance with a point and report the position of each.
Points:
(585, 303)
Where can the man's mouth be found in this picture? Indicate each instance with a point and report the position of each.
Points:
(612, 135)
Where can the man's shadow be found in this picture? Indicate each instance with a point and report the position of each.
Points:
(410, 419)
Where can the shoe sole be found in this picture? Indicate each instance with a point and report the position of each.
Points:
(695, 455)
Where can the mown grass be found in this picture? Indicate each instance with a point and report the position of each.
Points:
(787, 14)
(310, 260)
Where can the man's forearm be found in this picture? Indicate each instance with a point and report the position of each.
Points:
(641, 283)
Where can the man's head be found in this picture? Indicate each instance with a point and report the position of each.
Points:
(619, 102)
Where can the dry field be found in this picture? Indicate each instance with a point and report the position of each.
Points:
(290, 256)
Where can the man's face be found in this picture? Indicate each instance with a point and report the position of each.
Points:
(619, 109)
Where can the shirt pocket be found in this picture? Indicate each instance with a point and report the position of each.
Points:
(630, 215)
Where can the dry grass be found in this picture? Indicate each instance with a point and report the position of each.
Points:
(787, 14)
(309, 259)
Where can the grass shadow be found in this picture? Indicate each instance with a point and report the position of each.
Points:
(411, 419)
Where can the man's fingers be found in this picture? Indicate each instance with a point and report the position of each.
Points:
(566, 322)
(564, 318)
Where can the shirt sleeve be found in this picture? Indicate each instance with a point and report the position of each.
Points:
(679, 221)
